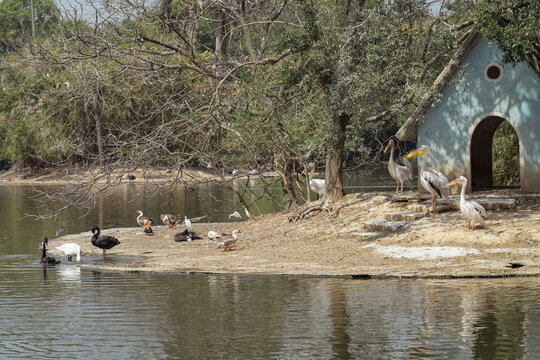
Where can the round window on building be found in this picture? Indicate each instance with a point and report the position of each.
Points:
(493, 72)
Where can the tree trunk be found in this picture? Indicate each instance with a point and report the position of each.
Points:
(334, 159)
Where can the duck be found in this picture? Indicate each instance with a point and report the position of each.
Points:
(169, 219)
(187, 223)
(227, 244)
(47, 260)
(315, 185)
(147, 230)
(432, 180)
(398, 172)
(473, 211)
(104, 242)
(213, 235)
(186, 235)
(70, 250)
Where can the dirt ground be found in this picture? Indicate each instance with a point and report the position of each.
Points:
(334, 243)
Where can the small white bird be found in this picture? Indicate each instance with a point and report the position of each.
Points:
(235, 214)
(247, 213)
(188, 223)
(213, 235)
(70, 250)
(227, 244)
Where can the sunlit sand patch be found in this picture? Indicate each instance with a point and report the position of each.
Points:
(424, 252)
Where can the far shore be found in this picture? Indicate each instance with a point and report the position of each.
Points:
(336, 243)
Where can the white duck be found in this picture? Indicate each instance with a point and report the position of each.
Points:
(473, 211)
(431, 179)
(70, 250)
(398, 172)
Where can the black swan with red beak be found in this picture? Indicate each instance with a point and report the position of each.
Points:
(104, 242)
(47, 260)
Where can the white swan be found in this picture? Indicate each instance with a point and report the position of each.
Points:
(70, 250)
(473, 211)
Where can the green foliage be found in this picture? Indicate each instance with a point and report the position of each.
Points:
(512, 24)
(505, 156)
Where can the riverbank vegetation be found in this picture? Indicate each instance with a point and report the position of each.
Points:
(237, 87)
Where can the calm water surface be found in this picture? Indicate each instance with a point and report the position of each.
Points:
(71, 312)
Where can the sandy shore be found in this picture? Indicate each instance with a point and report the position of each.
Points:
(334, 244)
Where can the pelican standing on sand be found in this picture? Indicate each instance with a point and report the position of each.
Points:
(432, 180)
(398, 172)
(473, 211)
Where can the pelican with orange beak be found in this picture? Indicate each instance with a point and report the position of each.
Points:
(473, 211)
(432, 180)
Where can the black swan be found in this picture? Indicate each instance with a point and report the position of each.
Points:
(186, 235)
(46, 260)
(104, 242)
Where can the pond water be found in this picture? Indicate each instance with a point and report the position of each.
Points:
(71, 312)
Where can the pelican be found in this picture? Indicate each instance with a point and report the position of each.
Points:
(169, 219)
(227, 244)
(474, 212)
(187, 223)
(398, 172)
(104, 242)
(432, 180)
(235, 214)
(70, 250)
(315, 185)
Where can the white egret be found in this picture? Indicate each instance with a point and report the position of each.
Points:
(187, 223)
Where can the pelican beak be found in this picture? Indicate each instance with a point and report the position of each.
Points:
(452, 183)
(415, 153)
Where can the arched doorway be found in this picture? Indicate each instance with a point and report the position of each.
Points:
(482, 151)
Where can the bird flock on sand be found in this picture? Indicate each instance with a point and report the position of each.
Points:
(434, 182)
(224, 241)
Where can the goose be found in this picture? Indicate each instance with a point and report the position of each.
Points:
(169, 219)
(141, 218)
(432, 180)
(70, 250)
(227, 244)
(104, 242)
(46, 260)
(187, 223)
(473, 211)
(315, 185)
(398, 172)
(235, 214)
(186, 235)
(213, 235)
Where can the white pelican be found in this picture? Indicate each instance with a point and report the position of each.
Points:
(316, 185)
(431, 179)
(398, 172)
(70, 250)
(227, 244)
(235, 214)
(473, 211)
(187, 223)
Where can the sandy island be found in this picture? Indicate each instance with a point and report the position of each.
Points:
(336, 243)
